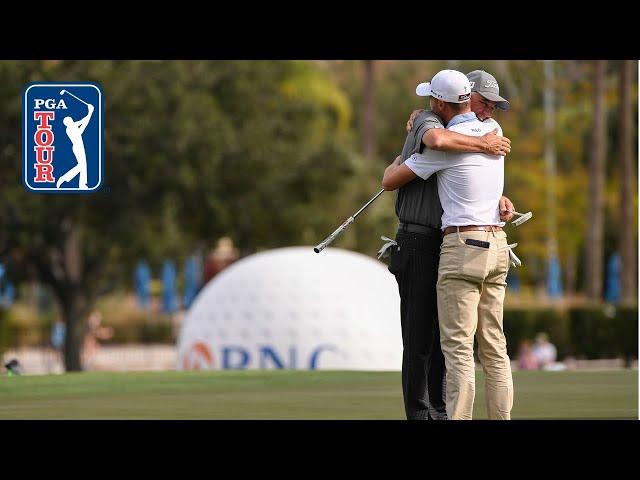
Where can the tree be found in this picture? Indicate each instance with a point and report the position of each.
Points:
(627, 179)
(595, 227)
(193, 150)
(369, 112)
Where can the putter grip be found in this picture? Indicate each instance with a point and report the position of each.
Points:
(318, 248)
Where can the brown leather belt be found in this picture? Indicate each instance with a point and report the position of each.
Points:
(469, 228)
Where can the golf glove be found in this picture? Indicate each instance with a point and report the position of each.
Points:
(384, 251)
(515, 261)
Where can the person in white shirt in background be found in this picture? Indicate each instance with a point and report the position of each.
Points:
(544, 351)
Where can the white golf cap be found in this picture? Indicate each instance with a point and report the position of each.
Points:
(447, 85)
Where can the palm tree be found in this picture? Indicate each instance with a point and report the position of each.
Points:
(368, 112)
(627, 250)
(553, 271)
(595, 226)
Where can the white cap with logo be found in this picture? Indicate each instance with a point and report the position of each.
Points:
(447, 85)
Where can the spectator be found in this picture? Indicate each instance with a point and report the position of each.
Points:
(526, 358)
(55, 354)
(95, 333)
(58, 331)
(544, 351)
(220, 258)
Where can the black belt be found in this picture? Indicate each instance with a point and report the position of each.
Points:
(416, 228)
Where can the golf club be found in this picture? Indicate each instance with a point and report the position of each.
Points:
(523, 217)
(62, 92)
(318, 248)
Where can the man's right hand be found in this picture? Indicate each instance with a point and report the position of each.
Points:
(412, 117)
(496, 145)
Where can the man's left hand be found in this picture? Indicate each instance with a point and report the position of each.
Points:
(412, 118)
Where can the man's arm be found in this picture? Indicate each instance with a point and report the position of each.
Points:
(396, 175)
(448, 141)
(421, 165)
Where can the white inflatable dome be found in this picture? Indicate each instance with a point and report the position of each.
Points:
(294, 309)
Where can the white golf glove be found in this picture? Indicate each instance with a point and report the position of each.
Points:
(515, 261)
(383, 252)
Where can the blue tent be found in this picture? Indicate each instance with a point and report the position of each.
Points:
(612, 285)
(554, 283)
(169, 303)
(191, 281)
(142, 279)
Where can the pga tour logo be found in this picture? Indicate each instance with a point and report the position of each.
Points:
(62, 137)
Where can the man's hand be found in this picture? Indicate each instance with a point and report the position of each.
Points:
(397, 174)
(506, 207)
(496, 145)
(412, 117)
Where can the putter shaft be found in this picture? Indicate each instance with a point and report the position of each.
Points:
(318, 248)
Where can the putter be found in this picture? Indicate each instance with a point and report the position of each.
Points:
(318, 248)
(523, 217)
(62, 92)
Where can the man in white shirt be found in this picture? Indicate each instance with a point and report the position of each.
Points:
(474, 256)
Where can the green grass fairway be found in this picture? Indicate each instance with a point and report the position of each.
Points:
(296, 395)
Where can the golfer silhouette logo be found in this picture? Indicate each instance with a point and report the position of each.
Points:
(74, 132)
(62, 138)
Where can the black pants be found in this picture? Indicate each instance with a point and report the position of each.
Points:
(415, 266)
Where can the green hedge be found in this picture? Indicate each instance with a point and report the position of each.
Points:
(524, 324)
(158, 332)
(17, 334)
(581, 332)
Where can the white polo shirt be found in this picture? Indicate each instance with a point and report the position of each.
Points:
(469, 184)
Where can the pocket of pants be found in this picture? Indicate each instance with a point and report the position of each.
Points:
(475, 262)
(397, 260)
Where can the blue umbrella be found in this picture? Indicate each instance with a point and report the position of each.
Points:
(169, 303)
(8, 294)
(513, 281)
(7, 290)
(612, 290)
(142, 279)
(191, 281)
(554, 284)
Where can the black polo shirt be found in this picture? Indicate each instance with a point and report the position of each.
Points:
(418, 201)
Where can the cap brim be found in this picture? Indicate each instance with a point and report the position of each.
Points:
(501, 103)
(424, 89)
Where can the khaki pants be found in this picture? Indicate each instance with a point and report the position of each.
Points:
(471, 289)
